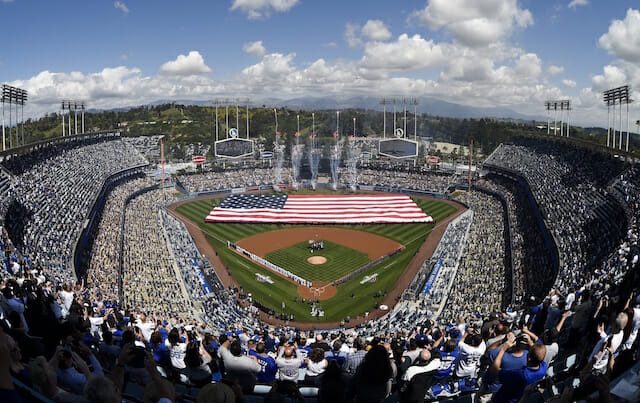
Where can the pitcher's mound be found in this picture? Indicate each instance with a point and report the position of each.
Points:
(317, 260)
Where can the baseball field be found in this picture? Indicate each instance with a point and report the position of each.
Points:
(347, 248)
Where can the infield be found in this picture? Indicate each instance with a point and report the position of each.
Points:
(340, 261)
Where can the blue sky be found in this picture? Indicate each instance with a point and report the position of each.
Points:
(514, 53)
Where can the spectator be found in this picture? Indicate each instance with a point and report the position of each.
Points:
(288, 363)
(372, 381)
(316, 365)
(514, 381)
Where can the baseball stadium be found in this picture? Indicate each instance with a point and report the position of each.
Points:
(320, 202)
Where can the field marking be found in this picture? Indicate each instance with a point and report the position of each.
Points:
(390, 264)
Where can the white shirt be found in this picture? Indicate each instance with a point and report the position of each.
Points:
(146, 328)
(552, 352)
(95, 324)
(634, 330)
(67, 299)
(469, 359)
(419, 369)
(177, 353)
(316, 368)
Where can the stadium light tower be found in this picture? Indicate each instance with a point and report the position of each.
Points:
(82, 107)
(548, 106)
(18, 97)
(612, 97)
(384, 103)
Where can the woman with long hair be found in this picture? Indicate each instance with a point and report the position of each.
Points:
(316, 364)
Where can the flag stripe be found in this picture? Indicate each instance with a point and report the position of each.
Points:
(341, 209)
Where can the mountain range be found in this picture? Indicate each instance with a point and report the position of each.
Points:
(428, 105)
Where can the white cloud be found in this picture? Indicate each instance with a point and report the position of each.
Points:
(254, 48)
(578, 3)
(271, 69)
(612, 76)
(569, 83)
(330, 45)
(376, 30)
(120, 5)
(351, 35)
(257, 9)
(623, 38)
(529, 66)
(188, 65)
(555, 70)
(475, 23)
(407, 53)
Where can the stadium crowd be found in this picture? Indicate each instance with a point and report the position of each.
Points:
(527, 246)
(480, 280)
(389, 178)
(570, 185)
(64, 341)
(103, 271)
(54, 192)
(216, 304)
(416, 180)
(149, 273)
(427, 295)
(210, 181)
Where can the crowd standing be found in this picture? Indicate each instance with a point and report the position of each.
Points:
(569, 184)
(62, 340)
(480, 280)
(54, 192)
(149, 277)
(103, 270)
(527, 245)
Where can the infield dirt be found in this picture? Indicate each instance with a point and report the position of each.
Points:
(374, 246)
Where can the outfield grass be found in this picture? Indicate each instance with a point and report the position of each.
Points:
(340, 261)
(352, 298)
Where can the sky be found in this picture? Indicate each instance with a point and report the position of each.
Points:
(511, 53)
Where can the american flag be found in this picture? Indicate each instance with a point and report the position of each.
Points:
(319, 209)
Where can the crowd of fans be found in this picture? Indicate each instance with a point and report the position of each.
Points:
(381, 176)
(149, 146)
(527, 246)
(479, 285)
(569, 184)
(423, 181)
(178, 334)
(103, 270)
(149, 274)
(430, 288)
(54, 192)
(60, 344)
(211, 181)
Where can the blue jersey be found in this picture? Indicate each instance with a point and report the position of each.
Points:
(268, 367)
(447, 363)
